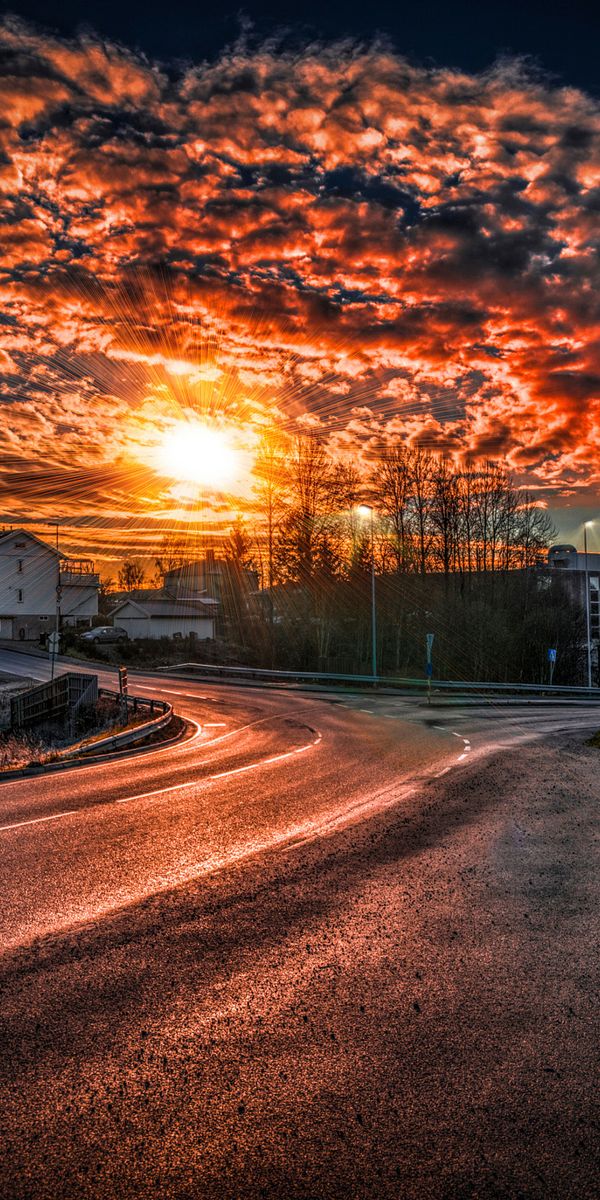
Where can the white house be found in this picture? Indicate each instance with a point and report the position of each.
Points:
(34, 578)
(164, 616)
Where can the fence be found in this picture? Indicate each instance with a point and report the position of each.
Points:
(54, 699)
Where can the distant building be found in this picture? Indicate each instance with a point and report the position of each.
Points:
(572, 565)
(35, 577)
(160, 615)
(211, 576)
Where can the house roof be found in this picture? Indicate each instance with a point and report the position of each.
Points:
(11, 533)
(165, 606)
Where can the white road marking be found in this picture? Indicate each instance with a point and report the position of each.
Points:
(367, 710)
(143, 687)
(38, 820)
(178, 787)
(215, 724)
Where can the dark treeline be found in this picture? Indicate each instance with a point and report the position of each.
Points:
(458, 552)
(455, 553)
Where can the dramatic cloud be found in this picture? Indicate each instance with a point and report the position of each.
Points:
(393, 250)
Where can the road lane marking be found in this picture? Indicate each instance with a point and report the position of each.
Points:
(38, 820)
(178, 787)
(215, 724)
(143, 687)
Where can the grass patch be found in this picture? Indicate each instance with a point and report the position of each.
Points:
(595, 740)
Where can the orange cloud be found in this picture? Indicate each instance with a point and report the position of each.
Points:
(320, 233)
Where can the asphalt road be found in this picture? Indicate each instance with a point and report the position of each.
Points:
(325, 948)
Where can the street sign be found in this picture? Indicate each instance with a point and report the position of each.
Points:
(429, 670)
(429, 639)
(54, 642)
(552, 656)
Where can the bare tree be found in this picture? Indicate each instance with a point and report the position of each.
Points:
(444, 514)
(131, 575)
(391, 486)
(421, 476)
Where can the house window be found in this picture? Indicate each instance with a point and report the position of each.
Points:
(20, 595)
(20, 565)
(43, 618)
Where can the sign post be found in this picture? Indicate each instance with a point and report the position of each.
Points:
(123, 685)
(552, 661)
(429, 666)
(53, 648)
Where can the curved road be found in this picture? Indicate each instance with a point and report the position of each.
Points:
(215, 955)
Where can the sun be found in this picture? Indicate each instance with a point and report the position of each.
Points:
(193, 452)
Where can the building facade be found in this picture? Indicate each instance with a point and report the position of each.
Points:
(210, 576)
(165, 616)
(578, 570)
(36, 580)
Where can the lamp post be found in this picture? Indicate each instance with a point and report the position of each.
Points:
(587, 606)
(365, 510)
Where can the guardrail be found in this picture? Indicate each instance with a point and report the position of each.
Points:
(128, 737)
(264, 674)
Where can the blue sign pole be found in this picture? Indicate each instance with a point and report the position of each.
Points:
(429, 666)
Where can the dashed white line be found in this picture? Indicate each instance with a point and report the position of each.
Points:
(219, 775)
(38, 820)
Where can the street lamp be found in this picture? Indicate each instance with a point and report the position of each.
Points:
(365, 510)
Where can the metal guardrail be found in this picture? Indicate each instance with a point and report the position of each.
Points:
(128, 737)
(440, 685)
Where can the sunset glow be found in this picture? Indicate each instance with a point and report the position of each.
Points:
(200, 454)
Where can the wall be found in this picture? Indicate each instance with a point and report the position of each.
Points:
(30, 568)
(157, 627)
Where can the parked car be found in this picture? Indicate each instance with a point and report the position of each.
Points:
(105, 633)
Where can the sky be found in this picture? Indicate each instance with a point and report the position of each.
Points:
(372, 223)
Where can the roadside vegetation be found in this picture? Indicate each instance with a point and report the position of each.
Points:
(48, 742)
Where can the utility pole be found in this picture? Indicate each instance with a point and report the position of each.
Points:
(587, 607)
(56, 639)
